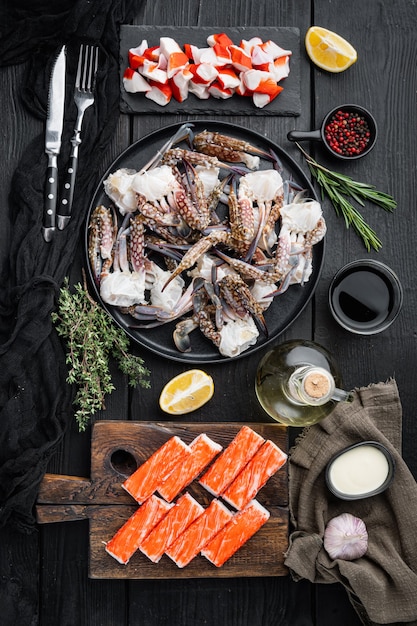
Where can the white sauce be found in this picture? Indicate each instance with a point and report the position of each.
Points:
(359, 471)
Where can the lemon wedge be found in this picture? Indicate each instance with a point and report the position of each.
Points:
(186, 392)
(328, 50)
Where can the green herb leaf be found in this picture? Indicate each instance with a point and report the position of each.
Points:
(92, 338)
(339, 188)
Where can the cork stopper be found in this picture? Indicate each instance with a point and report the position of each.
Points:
(316, 385)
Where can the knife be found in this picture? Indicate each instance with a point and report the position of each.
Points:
(54, 124)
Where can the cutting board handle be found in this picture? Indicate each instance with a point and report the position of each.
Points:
(49, 513)
(59, 489)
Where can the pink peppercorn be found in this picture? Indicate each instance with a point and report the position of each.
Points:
(347, 133)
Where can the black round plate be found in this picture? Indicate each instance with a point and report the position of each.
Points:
(283, 311)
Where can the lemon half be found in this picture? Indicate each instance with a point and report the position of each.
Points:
(186, 392)
(328, 50)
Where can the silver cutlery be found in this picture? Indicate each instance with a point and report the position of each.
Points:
(83, 98)
(53, 132)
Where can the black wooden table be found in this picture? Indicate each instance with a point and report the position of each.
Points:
(49, 569)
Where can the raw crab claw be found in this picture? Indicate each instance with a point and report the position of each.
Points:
(276, 161)
(102, 237)
(183, 133)
(162, 312)
(181, 334)
(229, 149)
(238, 296)
(292, 191)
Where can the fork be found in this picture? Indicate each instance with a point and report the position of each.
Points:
(83, 98)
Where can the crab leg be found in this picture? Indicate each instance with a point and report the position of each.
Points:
(182, 133)
(229, 149)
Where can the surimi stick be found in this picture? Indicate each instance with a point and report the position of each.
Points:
(203, 450)
(236, 533)
(128, 538)
(145, 481)
(185, 511)
(267, 460)
(199, 533)
(232, 460)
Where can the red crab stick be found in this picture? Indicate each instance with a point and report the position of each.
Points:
(203, 450)
(199, 533)
(147, 478)
(182, 514)
(128, 538)
(236, 533)
(267, 460)
(231, 461)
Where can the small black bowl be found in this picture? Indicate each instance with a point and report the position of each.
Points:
(365, 494)
(320, 134)
(365, 297)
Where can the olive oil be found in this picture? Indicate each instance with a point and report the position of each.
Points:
(296, 383)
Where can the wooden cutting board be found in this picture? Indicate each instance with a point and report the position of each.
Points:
(117, 449)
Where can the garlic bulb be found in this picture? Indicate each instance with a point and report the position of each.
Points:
(346, 537)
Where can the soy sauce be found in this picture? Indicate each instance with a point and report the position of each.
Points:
(363, 299)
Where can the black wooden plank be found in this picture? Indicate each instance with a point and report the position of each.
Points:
(383, 80)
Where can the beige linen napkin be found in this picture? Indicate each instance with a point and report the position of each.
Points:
(382, 584)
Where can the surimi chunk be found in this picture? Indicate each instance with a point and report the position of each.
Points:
(199, 533)
(203, 450)
(147, 478)
(267, 460)
(128, 538)
(236, 533)
(232, 460)
(182, 514)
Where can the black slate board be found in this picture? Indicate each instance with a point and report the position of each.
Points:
(288, 102)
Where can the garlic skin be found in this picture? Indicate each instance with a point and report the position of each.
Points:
(345, 537)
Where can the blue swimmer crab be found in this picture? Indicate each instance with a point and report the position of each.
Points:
(205, 237)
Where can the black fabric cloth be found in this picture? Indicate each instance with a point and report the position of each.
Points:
(35, 401)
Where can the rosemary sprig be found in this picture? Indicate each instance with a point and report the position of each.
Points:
(339, 187)
(91, 338)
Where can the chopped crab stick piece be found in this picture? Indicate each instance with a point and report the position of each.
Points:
(262, 99)
(182, 514)
(176, 61)
(203, 73)
(232, 460)
(147, 478)
(199, 533)
(128, 538)
(280, 68)
(134, 82)
(236, 533)
(152, 71)
(241, 60)
(228, 78)
(199, 90)
(179, 84)
(219, 38)
(203, 451)
(274, 50)
(217, 91)
(161, 94)
(260, 57)
(248, 44)
(266, 462)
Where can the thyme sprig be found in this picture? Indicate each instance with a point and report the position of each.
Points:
(339, 188)
(92, 338)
